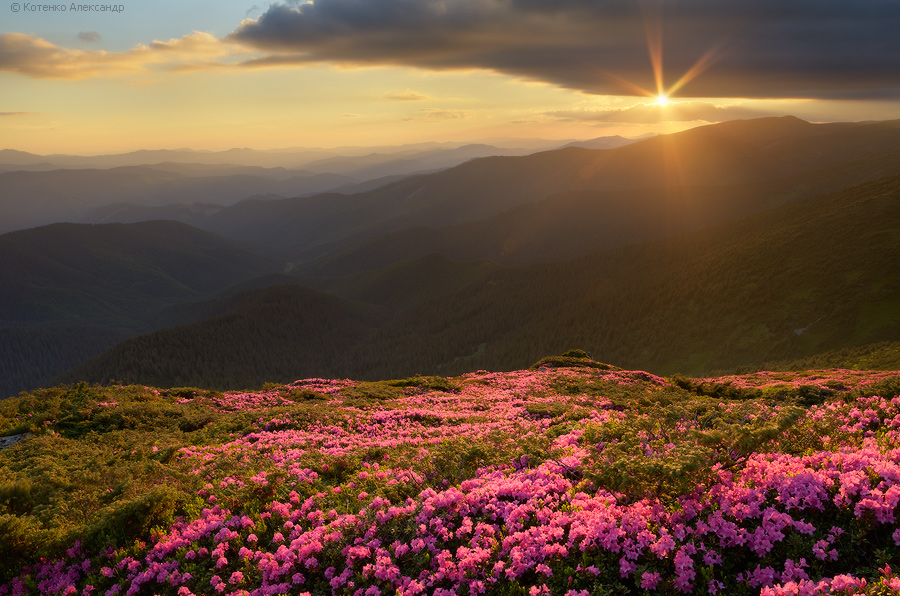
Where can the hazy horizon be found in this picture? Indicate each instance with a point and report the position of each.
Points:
(498, 141)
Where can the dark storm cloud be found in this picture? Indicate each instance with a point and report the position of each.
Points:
(763, 48)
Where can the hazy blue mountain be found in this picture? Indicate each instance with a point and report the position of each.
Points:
(29, 199)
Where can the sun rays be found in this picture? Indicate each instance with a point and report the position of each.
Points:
(653, 30)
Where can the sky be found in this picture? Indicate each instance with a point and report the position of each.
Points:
(217, 74)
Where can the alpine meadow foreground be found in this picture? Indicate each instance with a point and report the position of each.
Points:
(572, 477)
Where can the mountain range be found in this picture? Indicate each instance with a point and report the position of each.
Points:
(720, 247)
(37, 190)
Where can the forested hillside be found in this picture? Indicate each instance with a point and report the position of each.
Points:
(274, 333)
(799, 280)
(71, 291)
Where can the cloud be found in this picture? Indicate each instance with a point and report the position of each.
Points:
(16, 114)
(437, 114)
(647, 113)
(746, 48)
(90, 36)
(32, 56)
(406, 95)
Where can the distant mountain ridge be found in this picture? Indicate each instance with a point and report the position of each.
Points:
(38, 190)
(291, 158)
(750, 241)
(691, 166)
(26, 198)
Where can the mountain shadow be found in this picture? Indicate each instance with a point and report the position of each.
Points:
(78, 289)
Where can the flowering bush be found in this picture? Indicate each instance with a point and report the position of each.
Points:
(556, 480)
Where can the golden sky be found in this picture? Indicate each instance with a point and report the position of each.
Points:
(217, 75)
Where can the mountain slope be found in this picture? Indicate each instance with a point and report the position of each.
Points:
(268, 334)
(75, 271)
(102, 283)
(273, 330)
(805, 278)
(575, 223)
(723, 155)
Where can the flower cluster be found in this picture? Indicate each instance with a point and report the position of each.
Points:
(493, 487)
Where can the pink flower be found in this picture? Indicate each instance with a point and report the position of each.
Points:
(663, 546)
(649, 581)
(626, 567)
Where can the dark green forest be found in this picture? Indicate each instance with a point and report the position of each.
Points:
(787, 284)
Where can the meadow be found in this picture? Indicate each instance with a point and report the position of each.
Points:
(572, 477)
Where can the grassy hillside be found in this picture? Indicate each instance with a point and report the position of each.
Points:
(573, 477)
(883, 355)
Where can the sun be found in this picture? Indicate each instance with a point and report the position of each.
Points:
(662, 99)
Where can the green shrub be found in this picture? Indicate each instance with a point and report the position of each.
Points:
(297, 394)
(15, 497)
(426, 383)
(131, 520)
(653, 456)
(572, 359)
(20, 538)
